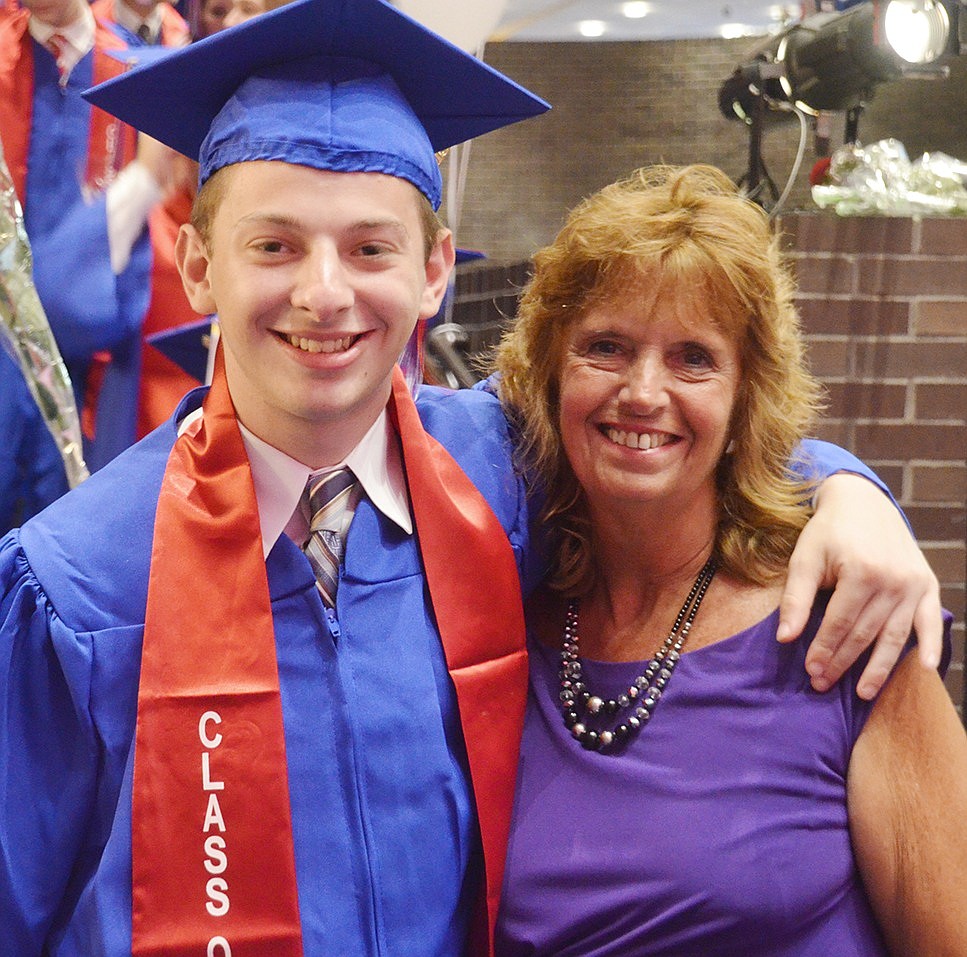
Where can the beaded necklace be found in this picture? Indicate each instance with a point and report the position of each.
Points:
(576, 698)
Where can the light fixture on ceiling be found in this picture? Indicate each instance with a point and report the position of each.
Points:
(733, 31)
(635, 9)
(592, 28)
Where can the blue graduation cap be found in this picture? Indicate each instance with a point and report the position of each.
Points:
(468, 255)
(187, 346)
(139, 55)
(345, 85)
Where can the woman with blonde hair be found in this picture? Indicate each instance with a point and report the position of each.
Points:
(682, 790)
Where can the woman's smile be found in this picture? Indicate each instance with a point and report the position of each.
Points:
(642, 441)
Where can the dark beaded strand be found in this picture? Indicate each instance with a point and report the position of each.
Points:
(643, 694)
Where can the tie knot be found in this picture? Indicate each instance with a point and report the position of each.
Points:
(144, 32)
(329, 496)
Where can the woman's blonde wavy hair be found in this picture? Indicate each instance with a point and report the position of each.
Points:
(690, 230)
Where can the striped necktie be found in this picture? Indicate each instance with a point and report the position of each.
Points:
(332, 501)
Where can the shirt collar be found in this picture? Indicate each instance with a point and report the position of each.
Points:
(80, 33)
(377, 462)
(126, 17)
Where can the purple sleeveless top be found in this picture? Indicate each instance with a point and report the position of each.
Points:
(720, 830)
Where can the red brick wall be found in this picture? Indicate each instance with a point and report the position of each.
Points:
(884, 307)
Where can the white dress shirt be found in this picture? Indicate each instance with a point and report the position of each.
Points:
(79, 36)
(129, 19)
(377, 462)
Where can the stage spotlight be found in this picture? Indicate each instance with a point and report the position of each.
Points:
(834, 61)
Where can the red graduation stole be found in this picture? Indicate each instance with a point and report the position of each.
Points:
(163, 382)
(210, 816)
(111, 143)
(462, 542)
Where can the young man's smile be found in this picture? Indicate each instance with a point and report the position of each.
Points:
(312, 345)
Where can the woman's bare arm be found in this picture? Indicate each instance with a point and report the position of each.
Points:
(907, 787)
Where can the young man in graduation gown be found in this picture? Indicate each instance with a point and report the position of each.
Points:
(149, 23)
(159, 383)
(85, 202)
(213, 743)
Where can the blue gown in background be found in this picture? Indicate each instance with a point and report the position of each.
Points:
(90, 309)
(31, 470)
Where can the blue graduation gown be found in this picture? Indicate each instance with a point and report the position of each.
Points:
(385, 837)
(31, 470)
(89, 307)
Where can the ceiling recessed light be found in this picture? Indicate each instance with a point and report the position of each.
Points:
(592, 28)
(635, 9)
(733, 31)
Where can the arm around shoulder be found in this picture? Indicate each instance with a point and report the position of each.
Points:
(859, 544)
